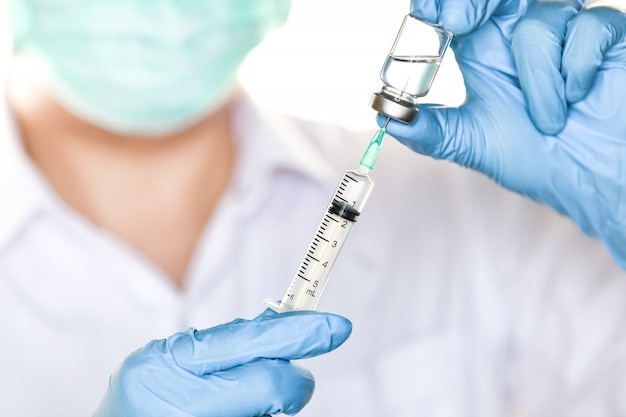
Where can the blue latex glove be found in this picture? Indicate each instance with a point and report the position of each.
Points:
(241, 368)
(579, 171)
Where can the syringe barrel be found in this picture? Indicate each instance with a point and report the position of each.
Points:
(312, 275)
(342, 213)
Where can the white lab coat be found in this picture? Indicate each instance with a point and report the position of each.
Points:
(466, 300)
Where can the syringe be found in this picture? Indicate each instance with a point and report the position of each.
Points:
(345, 206)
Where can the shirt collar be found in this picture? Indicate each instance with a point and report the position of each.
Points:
(269, 143)
(274, 142)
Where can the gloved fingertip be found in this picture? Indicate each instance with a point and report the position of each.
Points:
(340, 329)
(576, 89)
(457, 21)
(426, 10)
(550, 123)
(545, 95)
(332, 328)
(590, 34)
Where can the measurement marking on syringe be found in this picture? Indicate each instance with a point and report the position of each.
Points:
(328, 240)
(325, 240)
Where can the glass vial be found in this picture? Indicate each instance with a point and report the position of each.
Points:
(410, 68)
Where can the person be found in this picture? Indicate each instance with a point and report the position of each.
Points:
(149, 195)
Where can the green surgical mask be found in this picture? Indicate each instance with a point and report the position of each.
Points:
(143, 67)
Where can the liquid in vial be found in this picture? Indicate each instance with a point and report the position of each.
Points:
(413, 74)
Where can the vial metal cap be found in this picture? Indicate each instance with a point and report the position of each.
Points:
(396, 109)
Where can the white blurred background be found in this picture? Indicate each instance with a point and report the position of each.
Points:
(325, 62)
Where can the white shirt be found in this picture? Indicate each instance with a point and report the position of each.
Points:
(466, 300)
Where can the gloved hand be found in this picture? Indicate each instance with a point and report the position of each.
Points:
(579, 170)
(241, 368)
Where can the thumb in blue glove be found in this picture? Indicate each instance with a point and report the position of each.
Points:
(242, 368)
